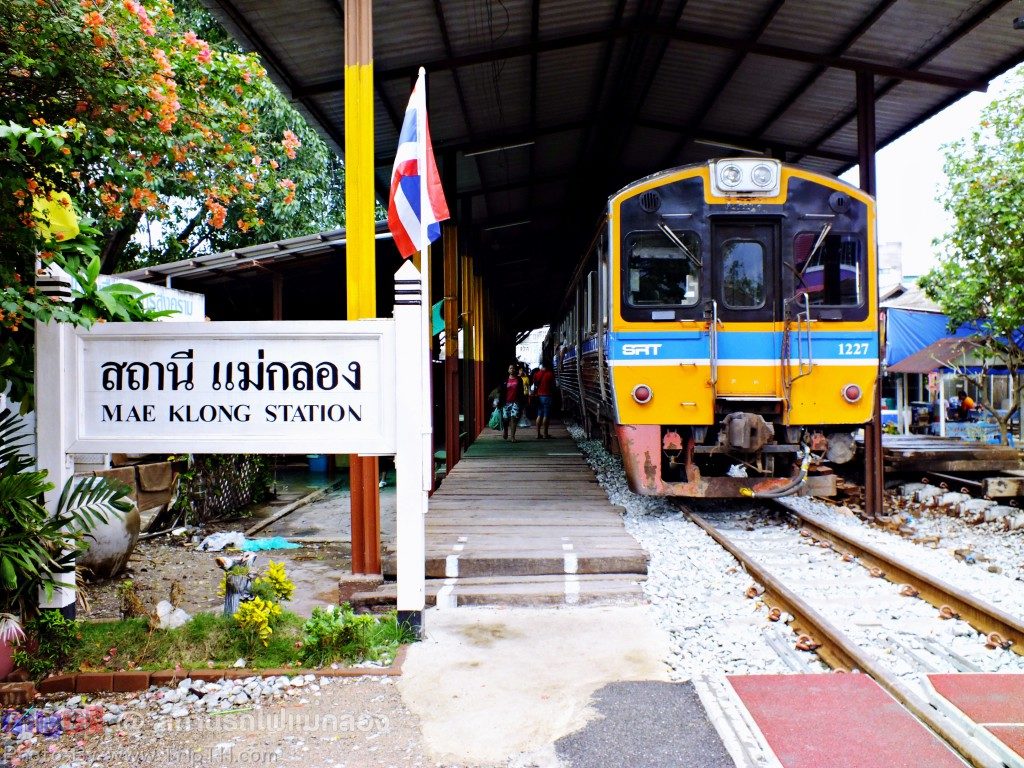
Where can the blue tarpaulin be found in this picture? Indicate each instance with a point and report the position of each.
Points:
(908, 331)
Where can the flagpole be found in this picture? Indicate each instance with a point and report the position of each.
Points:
(421, 166)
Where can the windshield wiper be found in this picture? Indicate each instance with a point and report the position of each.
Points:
(825, 229)
(679, 244)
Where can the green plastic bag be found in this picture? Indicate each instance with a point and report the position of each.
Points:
(495, 420)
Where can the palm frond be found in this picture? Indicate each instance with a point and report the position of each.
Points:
(92, 501)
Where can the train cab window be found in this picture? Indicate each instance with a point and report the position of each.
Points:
(829, 267)
(662, 271)
(743, 274)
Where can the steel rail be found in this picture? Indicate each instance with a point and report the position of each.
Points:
(843, 654)
(981, 615)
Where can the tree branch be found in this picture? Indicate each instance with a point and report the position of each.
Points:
(116, 242)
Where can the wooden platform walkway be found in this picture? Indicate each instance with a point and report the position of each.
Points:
(524, 523)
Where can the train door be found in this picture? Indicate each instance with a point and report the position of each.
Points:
(746, 290)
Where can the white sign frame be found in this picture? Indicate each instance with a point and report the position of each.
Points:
(405, 426)
(86, 436)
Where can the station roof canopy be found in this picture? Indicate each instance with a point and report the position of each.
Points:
(540, 110)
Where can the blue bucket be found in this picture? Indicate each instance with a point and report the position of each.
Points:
(317, 462)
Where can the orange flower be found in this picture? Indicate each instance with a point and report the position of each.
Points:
(218, 211)
(93, 19)
(290, 143)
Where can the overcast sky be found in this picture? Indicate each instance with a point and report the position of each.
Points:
(910, 176)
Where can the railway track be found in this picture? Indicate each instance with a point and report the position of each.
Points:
(830, 588)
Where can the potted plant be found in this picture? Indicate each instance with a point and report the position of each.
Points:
(33, 543)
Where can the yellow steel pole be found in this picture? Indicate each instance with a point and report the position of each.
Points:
(361, 277)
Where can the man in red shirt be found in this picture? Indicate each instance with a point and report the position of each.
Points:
(544, 384)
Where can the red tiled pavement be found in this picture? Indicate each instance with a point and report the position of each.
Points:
(995, 701)
(984, 698)
(1011, 735)
(839, 721)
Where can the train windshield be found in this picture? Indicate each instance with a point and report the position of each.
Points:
(743, 274)
(830, 268)
(662, 270)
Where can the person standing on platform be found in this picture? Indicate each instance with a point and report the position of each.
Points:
(511, 402)
(544, 381)
(524, 387)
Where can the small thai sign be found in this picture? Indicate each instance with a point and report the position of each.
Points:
(234, 387)
(185, 305)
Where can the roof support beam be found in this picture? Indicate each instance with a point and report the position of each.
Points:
(979, 16)
(836, 62)
(682, 35)
(442, 26)
(239, 20)
(644, 87)
(867, 23)
(741, 141)
(719, 87)
(534, 41)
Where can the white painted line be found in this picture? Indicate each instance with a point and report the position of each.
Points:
(1001, 725)
(451, 566)
(446, 600)
(458, 547)
(572, 590)
(463, 539)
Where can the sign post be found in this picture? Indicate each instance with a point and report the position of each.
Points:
(244, 387)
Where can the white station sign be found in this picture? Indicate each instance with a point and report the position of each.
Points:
(233, 387)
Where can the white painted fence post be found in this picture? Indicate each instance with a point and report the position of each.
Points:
(413, 421)
(54, 371)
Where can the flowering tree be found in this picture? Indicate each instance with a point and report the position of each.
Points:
(980, 276)
(117, 113)
(127, 110)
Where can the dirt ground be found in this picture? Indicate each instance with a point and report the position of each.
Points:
(157, 564)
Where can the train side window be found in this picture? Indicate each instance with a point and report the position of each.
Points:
(743, 274)
(832, 271)
(659, 272)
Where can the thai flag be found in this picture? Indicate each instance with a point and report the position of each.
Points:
(413, 224)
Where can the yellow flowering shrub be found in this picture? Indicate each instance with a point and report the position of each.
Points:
(276, 581)
(254, 618)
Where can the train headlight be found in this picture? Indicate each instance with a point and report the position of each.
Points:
(642, 394)
(745, 177)
(762, 175)
(730, 175)
(851, 393)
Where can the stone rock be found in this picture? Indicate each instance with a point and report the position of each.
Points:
(171, 618)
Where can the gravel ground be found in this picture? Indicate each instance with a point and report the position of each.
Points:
(903, 633)
(325, 722)
(949, 539)
(695, 587)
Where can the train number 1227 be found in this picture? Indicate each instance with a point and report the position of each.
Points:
(854, 348)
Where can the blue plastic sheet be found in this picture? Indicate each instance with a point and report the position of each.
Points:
(275, 542)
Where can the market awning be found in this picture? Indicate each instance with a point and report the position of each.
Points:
(950, 352)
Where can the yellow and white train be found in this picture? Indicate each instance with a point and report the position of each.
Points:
(724, 327)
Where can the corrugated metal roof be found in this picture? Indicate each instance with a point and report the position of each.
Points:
(606, 91)
(217, 265)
